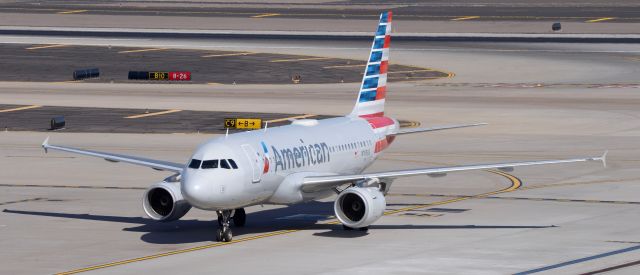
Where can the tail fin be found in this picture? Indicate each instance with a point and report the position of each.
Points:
(370, 101)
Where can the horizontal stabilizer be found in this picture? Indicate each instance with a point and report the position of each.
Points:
(437, 128)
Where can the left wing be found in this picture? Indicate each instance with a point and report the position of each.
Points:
(315, 183)
(155, 164)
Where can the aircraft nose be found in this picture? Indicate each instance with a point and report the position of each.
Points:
(196, 191)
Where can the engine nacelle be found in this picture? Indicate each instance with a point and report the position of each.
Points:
(164, 202)
(358, 207)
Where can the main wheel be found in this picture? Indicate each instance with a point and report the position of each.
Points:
(218, 235)
(364, 229)
(240, 217)
(220, 220)
(227, 236)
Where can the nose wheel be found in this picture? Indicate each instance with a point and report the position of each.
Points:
(223, 233)
(239, 217)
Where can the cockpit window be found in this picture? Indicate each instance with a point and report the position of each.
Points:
(233, 164)
(224, 164)
(208, 164)
(195, 163)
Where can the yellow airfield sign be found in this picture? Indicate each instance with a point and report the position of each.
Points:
(243, 123)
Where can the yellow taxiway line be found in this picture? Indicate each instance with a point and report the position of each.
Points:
(46, 46)
(344, 66)
(227, 54)
(72, 11)
(465, 18)
(154, 114)
(599, 19)
(515, 184)
(411, 71)
(265, 15)
(275, 233)
(288, 118)
(20, 108)
(300, 59)
(143, 50)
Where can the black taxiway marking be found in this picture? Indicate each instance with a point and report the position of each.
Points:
(581, 260)
(19, 201)
(615, 267)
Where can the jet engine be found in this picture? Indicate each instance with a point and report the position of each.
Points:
(358, 207)
(164, 202)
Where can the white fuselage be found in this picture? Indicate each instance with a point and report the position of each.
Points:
(270, 160)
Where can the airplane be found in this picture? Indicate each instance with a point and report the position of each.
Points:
(306, 160)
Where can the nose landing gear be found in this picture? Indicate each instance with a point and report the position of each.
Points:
(239, 217)
(223, 233)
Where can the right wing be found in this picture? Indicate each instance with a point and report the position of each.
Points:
(437, 128)
(316, 183)
(155, 164)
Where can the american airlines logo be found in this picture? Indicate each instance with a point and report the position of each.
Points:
(301, 156)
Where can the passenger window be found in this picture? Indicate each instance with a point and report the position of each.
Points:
(233, 164)
(208, 164)
(224, 164)
(195, 163)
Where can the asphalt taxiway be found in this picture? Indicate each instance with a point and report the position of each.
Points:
(67, 213)
(57, 62)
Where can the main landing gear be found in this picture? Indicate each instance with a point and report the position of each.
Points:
(239, 217)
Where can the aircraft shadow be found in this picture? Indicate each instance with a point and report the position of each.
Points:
(261, 221)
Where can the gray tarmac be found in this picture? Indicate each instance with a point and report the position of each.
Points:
(542, 101)
(411, 17)
(621, 11)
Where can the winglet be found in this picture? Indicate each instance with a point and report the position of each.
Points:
(603, 158)
(45, 145)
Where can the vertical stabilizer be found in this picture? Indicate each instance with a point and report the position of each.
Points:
(371, 97)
